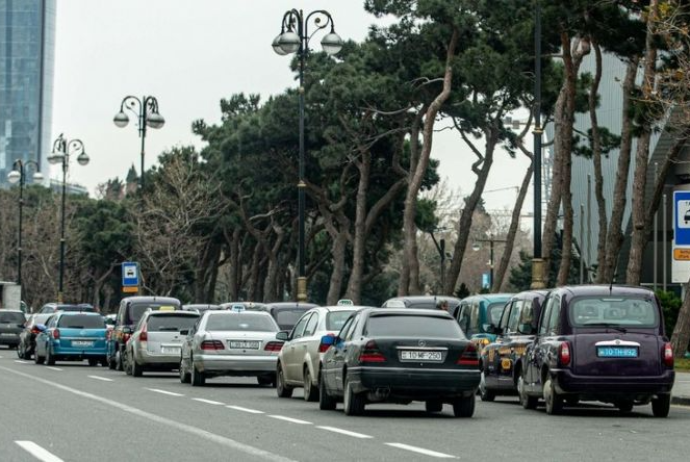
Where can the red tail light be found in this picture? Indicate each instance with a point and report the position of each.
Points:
(371, 354)
(35, 331)
(125, 337)
(469, 357)
(212, 345)
(564, 354)
(323, 347)
(668, 354)
(144, 335)
(56, 333)
(273, 346)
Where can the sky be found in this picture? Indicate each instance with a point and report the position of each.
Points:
(189, 54)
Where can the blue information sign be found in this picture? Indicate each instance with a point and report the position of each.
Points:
(486, 280)
(681, 221)
(130, 274)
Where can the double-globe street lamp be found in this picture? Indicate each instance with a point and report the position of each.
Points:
(146, 110)
(18, 174)
(62, 150)
(294, 37)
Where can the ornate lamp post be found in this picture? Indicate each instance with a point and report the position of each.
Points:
(62, 150)
(146, 110)
(294, 37)
(18, 174)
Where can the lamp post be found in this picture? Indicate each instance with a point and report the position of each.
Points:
(294, 37)
(146, 110)
(538, 266)
(62, 150)
(18, 174)
(441, 247)
(476, 247)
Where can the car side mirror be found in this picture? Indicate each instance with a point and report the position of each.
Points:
(283, 335)
(40, 327)
(184, 332)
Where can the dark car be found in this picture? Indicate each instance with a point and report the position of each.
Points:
(50, 308)
(500, 360)
(27, 339)
(11, 325)
(599, 343)
(424, 302)
(128, 315)
(287, 314)
(399, 356)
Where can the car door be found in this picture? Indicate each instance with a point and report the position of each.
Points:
(294, 354)
(511, 334)
(333, 373)
(343, 351)
(186, 351)
(491, 351)
(534, 351)
(310, 344)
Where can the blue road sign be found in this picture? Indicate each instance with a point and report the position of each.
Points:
(130, 274)
(486, 283)
(681, 220)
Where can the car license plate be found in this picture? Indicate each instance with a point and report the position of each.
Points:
(421, 356)
(244, 345)
(617, 352)
(81, 343)
(170, 351)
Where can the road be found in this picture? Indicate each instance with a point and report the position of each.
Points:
(72, 412)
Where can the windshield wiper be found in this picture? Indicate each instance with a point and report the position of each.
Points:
(607, 324)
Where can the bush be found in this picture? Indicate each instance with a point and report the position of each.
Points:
(670, 304)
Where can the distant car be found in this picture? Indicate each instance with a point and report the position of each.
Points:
(599, 343)
(226, 343)
(287, 314)
(399, 356)
(200, 307)
(424, 302)
(501, 360)
(11, 325)
(27, 339)
(299, 362)
(50, 308)
(478, 312)
(72, 336)
(243, 306)
(157, 341)
(128, 315)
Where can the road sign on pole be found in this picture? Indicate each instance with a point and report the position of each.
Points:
(130, 276)
(680, 263)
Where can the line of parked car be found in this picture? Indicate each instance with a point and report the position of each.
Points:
(566, 345)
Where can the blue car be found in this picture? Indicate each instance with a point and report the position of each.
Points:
(72, 336)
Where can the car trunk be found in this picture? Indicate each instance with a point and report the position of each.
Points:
(82, 338)
(616, 354)
(243, 343)
(415, 352)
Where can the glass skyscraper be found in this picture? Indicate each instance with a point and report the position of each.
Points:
(27, 51)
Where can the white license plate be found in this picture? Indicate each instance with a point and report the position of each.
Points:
(421, 356)
(81, 343)
(170, 351)
(244, 345)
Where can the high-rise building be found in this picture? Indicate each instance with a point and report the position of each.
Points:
(27, 49)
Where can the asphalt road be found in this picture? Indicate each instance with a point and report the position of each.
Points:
(73, 412)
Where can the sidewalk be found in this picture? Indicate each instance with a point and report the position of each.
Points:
(681, 389)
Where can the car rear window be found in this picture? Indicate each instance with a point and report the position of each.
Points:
(431, 305)
(613, 311)
(170, 323)
(81, 321)
(12, 318)
(240, 321)
(137, 310)
(335, 320)
(287, 318)
(400, 325)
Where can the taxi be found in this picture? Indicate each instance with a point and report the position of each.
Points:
(477, 313)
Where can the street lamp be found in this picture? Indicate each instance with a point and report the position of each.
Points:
(18, 175)
(146, 110)
(477, 246)
(538, 264)
(294, 37)
(62, 150)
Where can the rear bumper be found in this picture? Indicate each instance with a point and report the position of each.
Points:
(236, 365)
(9, 339)
(78, 352)
(405, 382)
(567, 382)
(146, 358)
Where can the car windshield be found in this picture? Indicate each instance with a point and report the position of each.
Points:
(12, 317)
(400, 325)
(170, 323)
(137, 310)
(613, 312)
(287, 318)
(82, 321)
(495, 311)
(335, 320)
(240, 321)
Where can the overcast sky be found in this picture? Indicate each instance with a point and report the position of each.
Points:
(190, 54)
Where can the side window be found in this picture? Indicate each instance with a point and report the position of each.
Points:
(465, 318)
(121, 313)
(515, 316)
(554, 316)
(506, 314)
(357, 319)
(545, 314)
(527, 313)
(298, 330)
(311, 325)
(474, 320)
(53, 321)
(345, 331)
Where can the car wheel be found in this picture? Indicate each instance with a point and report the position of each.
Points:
(111, 363)
(119, 361)
(528, 402)
(434, 406)
(184, 376)
(311, 393)
(283, 390)
(486, 394)
(554, 403)
(50, 358)
(326, 401)
(137, 370)
(93, 362)
(464, 407)
(126, 366)
(661, 406)
(20, 352)
(104, 362)
(198, 378)
(353, 402)
(625, 406)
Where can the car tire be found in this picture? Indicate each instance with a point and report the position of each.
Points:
(20, 352)
(198, 378)
(111, 363)
(104, 362)
(326, 401)
(137, 370)
(661, 406)
(528, 402)
(311, 393)
(486, 394)
(464, 407)
(184, 375)
(119, 361)
(353, 403)
(283, 390)
(554, 402)
(93, 362)
(433, 406)
(50, 358)
(126, 366)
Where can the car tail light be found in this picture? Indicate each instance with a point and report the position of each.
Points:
(273, 346)
(56, 333)
(469, 357)
(35, 331)
(371, 354)
(212, 345)
(125, 337)
(143, 335)
(668, 354)
(564, 354)
(323, 347)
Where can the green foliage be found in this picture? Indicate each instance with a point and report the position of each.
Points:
(462, 291)
(521, 275)
(670, 304)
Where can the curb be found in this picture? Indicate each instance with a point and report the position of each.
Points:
(680, 400)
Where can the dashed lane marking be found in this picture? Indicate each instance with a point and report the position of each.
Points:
(208, 401)
(344, 432)
(54, 368)
(290, 419)
(104, 379)
(38, 452)
(244, 409)
(164, 392)
(426, 452)
(20, 361)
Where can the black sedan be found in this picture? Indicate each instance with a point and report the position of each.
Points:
(399, 356)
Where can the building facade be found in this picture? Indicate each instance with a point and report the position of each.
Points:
(27, 51)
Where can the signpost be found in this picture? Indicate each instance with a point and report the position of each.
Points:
(680, 264)
(130, 277)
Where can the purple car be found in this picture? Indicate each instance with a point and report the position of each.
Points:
(599, 343)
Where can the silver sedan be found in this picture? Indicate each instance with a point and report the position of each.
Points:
(231, 343)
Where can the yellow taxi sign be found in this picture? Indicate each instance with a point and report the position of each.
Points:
(681, 254)
(166, 308)
(130, 290)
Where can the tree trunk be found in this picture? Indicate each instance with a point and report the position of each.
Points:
(354, 288)
(235, 262)
(554, 206)
(681, 333)
(338, 249)
(596, 160)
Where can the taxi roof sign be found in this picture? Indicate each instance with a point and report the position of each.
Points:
(238, 307)
(345, 302)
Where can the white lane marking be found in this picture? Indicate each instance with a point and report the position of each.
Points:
(54, 368)
(38, 452)
(244, 409)
(426, 452)
(195, 431)
(208, 401)
(345, 432)
(20, 361)
(96, 377)
(290, 419)
(1, 357)
(163, 392)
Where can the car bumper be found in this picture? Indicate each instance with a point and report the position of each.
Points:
(233, 364)
(146, 358)
(414, 382)
(567, 382)
(9, 339)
